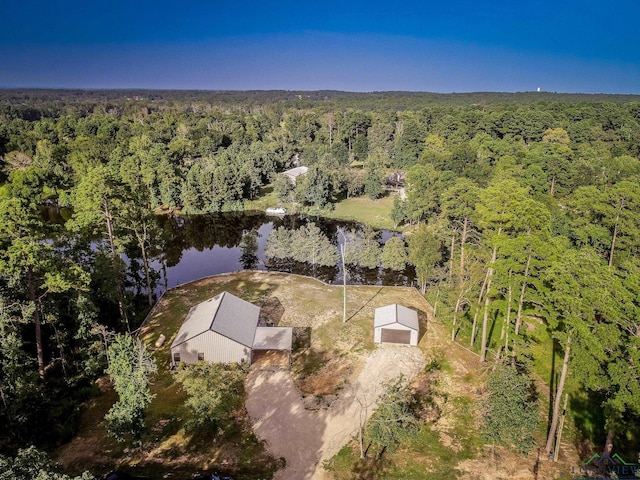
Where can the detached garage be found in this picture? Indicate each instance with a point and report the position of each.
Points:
(396, 324)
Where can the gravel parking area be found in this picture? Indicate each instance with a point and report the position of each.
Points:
(306, 438)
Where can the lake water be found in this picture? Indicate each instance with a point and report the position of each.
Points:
(197, 246)
(202, 245)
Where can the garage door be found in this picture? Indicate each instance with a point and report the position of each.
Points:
(395, 336)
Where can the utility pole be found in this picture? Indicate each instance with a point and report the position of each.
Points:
(343, 249)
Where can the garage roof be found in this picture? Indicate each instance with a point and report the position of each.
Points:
(396, 314)
(273, 338)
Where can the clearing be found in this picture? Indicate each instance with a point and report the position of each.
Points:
(306, 438)
(306, 414)
(329, 356)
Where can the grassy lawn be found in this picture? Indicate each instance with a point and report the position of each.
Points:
(266, 199)
(332, 355)
(449, 443)
(376, 213)
(449, 433)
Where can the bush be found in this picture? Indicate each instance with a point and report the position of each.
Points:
(511, 416)
(214, 391)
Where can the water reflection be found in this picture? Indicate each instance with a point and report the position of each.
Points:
(203, 245)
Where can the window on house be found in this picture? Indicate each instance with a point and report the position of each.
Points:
(176, 357)
(200, 357)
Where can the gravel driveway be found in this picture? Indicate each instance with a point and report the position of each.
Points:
(306, 438)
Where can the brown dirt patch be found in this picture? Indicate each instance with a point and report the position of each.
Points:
(273, 358)
(329, 379)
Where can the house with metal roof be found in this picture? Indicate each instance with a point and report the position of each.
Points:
(225, 329)
(395, 324)
(293, 173)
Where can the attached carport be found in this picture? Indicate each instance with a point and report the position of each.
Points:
(272, 346)
(396, 324)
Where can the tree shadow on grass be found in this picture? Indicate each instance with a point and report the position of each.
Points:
(370, 468)
(589, 421)
(271, 311)
(423, 324)
(365, 303)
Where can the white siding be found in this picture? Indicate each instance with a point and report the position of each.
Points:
(377, 333)
(216, 348)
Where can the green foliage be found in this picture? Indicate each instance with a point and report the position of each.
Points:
(373, 182)
(306, 244)
(424, 254)
(215, 391)
(316, 187)
(511, 416)
(32, 464)
(283, 188)
(362, 248)
(279, 243)
(394, 254)
(533, 178)
(394, 421)
(399, 211)
(424, 186)
(130, 367)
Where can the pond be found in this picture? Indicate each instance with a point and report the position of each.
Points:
(197, 246)
(202, 245)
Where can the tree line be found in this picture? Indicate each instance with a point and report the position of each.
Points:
(522, 210)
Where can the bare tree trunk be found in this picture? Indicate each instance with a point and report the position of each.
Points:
(475, 315)
(453, 243)
(463, 240)
(608, 445)
(455, 316)
(507, 322)
(485, 321)
(487, 302)
(556, 402)
(147, 274)
(109, 220)
(556, 451)
(36, 321)
(552, 189)
(521, 299)
(114, 256)
(474, 326)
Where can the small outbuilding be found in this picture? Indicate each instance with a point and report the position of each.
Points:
(395, 324)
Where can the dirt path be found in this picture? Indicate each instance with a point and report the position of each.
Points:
(306, 438)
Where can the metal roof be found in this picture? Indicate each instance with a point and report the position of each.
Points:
(295, 172)
(225, 314)
(273, 338)
(396, 314)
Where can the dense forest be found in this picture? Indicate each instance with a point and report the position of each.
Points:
(519, 209)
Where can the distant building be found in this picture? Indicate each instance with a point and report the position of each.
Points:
(225, 329)
(294, 173)
(395, 324)
(395, 179)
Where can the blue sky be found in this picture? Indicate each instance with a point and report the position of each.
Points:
(454, 46)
